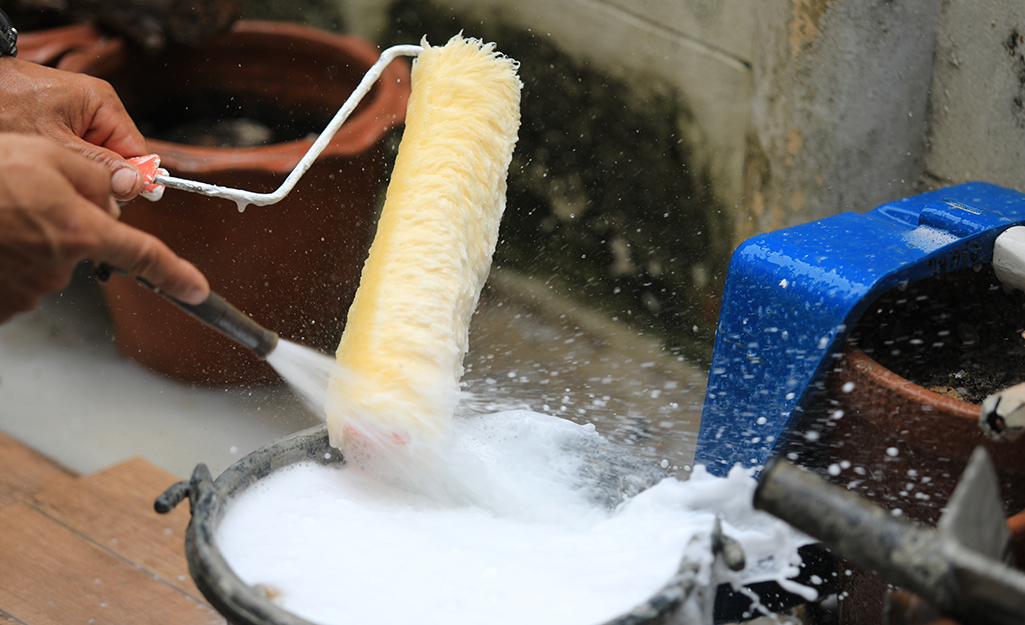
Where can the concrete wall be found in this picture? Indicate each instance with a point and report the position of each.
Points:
(804, 108)
(977, 121)
(859, 102)
(702, 47)
(838, 114)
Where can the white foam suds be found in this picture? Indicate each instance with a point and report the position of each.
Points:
(495, 525)
(339, 545)
(433, 467)
(308, 372)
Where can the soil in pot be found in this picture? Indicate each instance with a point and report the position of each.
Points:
(958, 335)
(899, 415)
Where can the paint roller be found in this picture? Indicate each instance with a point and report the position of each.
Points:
(215, 311)
(406, 333)
(407, 330)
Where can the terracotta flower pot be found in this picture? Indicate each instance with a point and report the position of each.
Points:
(898, 443)
(933, 435)
(900, 433)
(907, 444)
(293, 266)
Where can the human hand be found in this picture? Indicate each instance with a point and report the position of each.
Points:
(78, 111)
(56, 210)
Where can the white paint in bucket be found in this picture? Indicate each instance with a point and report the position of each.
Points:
(521, 545)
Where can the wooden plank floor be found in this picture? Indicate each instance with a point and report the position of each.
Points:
(91, 549)
(24, 472)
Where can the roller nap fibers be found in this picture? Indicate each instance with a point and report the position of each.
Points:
(402, 350)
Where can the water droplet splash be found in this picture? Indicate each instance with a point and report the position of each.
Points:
(530, 535)
(306, 371)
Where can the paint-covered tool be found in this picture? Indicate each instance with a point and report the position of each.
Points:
(156, 178)
(793, 296)
(960, 567)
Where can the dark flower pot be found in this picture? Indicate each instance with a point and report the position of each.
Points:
(48, 46)
(293, 266)
(908, 445)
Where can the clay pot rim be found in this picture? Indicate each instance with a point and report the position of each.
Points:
(886, 378)
(383, 108)
(48, 45)
(952, 426)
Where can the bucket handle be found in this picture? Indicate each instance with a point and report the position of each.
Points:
(199, 490)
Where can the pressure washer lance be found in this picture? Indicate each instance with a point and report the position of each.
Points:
(960, 566)
(216, 312)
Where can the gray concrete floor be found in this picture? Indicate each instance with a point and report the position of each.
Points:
(67, 392)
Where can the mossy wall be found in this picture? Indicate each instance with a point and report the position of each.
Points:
(324, 14)
(602, 202)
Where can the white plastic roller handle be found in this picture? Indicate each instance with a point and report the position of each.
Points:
(244, 198)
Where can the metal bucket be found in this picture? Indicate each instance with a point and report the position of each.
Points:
(615, 473)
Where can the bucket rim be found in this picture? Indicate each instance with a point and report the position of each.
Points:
(242, 604)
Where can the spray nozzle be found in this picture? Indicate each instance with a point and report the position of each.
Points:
(217, 313)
